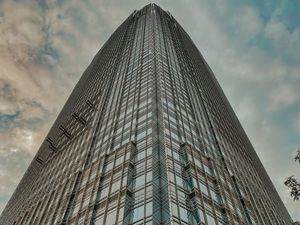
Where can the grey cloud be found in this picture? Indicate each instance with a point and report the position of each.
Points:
(46, 45)
(284, 40)
(297, 122)
(12, 167)
(283, 96)
(31, 92)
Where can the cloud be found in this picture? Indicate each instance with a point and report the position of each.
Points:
(31, 93)
(297, 122)
(7, 107)
(284, 40)
(248, 23)
(46, 45)
(283, 96)
(12, 167)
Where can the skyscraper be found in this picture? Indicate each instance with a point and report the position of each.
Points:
(146, 137)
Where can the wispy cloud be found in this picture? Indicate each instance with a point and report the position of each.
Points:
(252, 47)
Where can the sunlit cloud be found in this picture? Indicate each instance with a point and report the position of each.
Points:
(45, 46)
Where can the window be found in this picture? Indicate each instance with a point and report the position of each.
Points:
(210, 220)
(203, 188)
(111, 218)
(179, 181)
(174, 209)
(176, 155)
(149, 176)
(190, 182)
(139, 195)
(208, 170)
(115, 186)
(121, 214)
(104, 192)
(119, 161)
(140, 155)
(140, 181)
(149, 209)
(141, 135)
(138, 213)
(108, 166)
(216, 196)
(183, 214)
(174, 136)
(99, 221)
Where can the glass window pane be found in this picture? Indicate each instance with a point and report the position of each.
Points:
(183, 214)
(203, 188)
(149, 209)
(210, 220)
(111, 218)
(179, 181)
(138, 213)
(140, 181)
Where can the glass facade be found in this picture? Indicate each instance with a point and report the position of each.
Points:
(146, 137)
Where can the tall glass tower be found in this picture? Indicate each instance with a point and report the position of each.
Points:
(146, 137)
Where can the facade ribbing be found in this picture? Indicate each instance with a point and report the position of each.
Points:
(146, 137)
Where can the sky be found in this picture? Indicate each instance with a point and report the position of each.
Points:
(252, 46)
